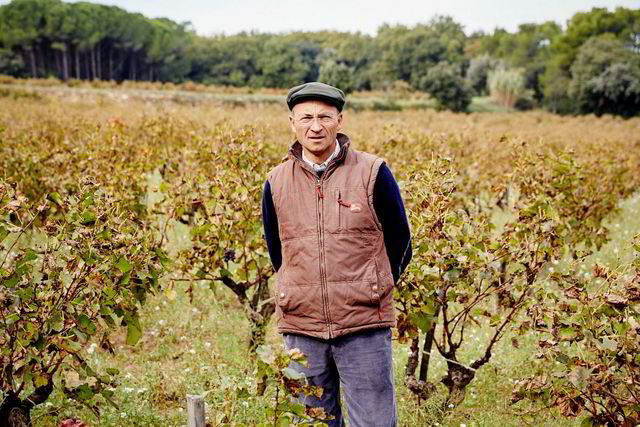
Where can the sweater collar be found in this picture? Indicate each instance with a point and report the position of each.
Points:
(321, 167)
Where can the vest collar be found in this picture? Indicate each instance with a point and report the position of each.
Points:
(295, 152)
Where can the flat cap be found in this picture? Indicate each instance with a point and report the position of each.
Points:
(316, 90)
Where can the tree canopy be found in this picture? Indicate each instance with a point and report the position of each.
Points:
(86, 41)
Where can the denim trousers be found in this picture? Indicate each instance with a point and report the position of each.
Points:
(360, 366)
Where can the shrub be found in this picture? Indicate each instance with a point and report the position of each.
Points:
(507, 87)
(589, 358)
(71, 269)
(478, 73)
(445, 83)
(606, 78)
(337, 74)
(220, 199)
(462, 260)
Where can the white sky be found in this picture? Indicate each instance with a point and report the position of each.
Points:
(233, 16)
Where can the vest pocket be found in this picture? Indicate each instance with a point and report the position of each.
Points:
(355, 303)
(350, 211)
(302, 302)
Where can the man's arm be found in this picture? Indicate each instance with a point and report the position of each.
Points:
(271, 231)
(389, 208)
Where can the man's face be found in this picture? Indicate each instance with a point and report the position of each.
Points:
(316, 125)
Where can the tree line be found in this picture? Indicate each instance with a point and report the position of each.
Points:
(592, 65)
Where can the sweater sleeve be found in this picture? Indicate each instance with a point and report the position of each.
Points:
(389, 208)
(271, 231)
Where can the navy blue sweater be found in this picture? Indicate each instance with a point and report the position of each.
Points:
(389, 208)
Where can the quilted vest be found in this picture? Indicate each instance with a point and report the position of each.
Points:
(335, 276)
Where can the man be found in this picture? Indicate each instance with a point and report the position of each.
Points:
(338, 237)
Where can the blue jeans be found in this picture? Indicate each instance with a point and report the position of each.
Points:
(360, 364)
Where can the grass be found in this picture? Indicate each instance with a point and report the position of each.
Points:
(486, 104)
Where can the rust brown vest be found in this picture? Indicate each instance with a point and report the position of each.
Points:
(335, 276)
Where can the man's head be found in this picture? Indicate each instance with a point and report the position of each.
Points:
(316, 117)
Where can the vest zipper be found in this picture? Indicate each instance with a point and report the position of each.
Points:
(338, 207)
(320, 228)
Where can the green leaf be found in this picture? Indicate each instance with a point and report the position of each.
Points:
(12, 281)
(566, 333)
(123, 265)
(292, 374)
(265, 354)
(495, 320)
(200, 230)
(561, 357)
(28, 374)
(586, 422)
(12, 318)
(56, 322)
(105, 234)
(134, 331)
(39, 343)
(55, 197)
(293, 408)
(284, 421)
(81, 335)
(241, 275)
(88, 201)
(83, 320)
(30, 255)
(89, 258)
(3, 233)
(163, 257)
(88, 218)
(40, 380)
(422, 321)
(107, 393)
(84, 392)
(71, 346)
(242, 393)
(124, 280)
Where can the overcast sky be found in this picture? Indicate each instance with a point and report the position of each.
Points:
(232, 16)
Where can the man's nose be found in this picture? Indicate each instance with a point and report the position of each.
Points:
(315, 125)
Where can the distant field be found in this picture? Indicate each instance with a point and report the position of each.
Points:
(201, 346)
(198, 94)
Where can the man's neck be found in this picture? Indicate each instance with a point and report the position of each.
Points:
(322, 158)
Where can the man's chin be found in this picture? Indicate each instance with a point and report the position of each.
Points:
(317, 147)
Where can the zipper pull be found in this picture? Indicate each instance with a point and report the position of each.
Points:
(319, 191)
(342, 202)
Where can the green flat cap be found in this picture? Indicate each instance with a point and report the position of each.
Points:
(316, 90)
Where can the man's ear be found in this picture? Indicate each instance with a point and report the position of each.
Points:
(340, 119)
(293, 127)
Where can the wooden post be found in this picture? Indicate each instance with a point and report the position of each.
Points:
(195, 409)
